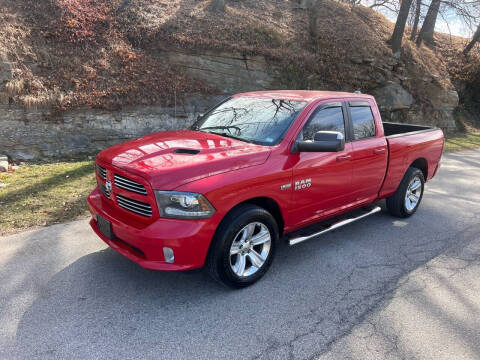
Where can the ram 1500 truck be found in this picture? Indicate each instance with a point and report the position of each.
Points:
(258, 167)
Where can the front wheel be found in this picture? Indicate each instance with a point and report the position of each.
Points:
(408, 196)
(243, 246)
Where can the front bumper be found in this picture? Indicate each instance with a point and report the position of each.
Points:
(144, 243)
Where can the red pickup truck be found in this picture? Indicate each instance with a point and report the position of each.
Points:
(256, 168)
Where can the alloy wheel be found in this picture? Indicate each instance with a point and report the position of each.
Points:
(413, 194)
(250, 249)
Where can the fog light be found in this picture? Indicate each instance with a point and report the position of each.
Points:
(168, 254)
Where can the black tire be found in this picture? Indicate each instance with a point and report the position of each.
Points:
(219, 258)
(396, 203)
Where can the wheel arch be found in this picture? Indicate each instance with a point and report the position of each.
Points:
(422, 165)
(271, 206)
(264, 202)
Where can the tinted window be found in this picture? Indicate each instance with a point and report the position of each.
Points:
(330, 119)
(363, 123)
(257, 120)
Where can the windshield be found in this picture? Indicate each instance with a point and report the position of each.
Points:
(255, 120)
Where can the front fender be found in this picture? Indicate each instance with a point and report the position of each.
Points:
(227, 190)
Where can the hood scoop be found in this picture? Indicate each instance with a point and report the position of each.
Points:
(186, 151)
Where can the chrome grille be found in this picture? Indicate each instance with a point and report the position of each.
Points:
(104, 191)
(135, 206)
(130, 185)
(102, 172)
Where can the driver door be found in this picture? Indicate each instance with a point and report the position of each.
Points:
(322, 180)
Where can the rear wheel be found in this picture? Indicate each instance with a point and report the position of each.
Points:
(243, 247)
(408, 196)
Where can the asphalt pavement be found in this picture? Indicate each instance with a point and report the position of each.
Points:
(380, 288)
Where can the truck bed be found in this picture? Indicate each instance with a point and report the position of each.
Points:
(398, 129)
(408, 144)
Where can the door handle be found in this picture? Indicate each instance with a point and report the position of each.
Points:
(344, 157)
(379, 150)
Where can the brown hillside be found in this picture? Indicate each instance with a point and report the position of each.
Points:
(71, 53)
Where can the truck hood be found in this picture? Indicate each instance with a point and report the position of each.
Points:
(170, 159)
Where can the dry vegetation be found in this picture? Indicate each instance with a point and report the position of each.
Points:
(108, 53)
(69, 53)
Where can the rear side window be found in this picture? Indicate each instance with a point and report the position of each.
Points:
(362, 121)
(329, 119)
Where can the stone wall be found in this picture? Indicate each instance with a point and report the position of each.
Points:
(229, 72)
(397, 105)
(39, 134)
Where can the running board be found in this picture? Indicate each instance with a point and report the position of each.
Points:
(334, 226)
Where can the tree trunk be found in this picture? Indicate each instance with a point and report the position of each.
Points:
(397, 36)
(216, 5)
(303, 4)
(418, 10)
(471, 44)
(313, 13)
(428, 28)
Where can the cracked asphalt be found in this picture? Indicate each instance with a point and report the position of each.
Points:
(381, 288)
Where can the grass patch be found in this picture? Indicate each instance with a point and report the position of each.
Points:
(462, 142)
(44, 194)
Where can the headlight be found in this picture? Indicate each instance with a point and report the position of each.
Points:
(183, 205)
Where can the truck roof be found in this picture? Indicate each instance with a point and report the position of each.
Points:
(301, 95)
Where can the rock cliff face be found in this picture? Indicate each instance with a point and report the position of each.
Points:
(40, 134)
(230, 73)
(397, 105)
(27, 134)
(5, 72)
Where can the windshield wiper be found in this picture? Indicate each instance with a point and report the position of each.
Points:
(228, 135)
(221, 128)
(225, 134)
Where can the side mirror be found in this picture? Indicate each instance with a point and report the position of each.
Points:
(323, 141)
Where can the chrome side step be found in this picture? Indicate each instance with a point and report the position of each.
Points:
(334, 226)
